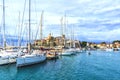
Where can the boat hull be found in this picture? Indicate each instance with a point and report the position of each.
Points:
(109, 50)
(29, 60)
(52, 57)
(7, 61)
(66, 53)
(7, 58)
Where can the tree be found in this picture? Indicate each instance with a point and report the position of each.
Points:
(116, 41)
(83, 43)
(95, 47)
(103, 42)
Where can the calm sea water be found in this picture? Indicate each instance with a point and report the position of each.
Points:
(97, 66)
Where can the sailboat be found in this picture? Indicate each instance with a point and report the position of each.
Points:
(7, 56)
(78, 49)
(72, 43)
(109, 49)
(32, 57)
(65, 51)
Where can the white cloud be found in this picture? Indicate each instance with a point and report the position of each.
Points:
(107, 9)
(89, 17)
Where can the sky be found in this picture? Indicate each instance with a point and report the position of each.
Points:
(89, 20)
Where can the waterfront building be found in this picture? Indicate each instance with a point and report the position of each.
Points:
(116, 44)
(109, 45)
(58, 41)
(102, 45)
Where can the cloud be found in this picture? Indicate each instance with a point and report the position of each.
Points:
(91, 19)
(107, 9)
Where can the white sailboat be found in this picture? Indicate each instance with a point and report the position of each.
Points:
(65, 51)
(109, 49)
(7, 56)
(78, 50)
(31, 57)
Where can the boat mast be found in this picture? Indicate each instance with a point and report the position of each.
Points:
(64, 30)
(4, 40)
(41, 24)
(61, 20)
(65, 24)
(19, 31)
(29, 30)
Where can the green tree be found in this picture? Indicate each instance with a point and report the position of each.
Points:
(83, 44)
(95, 47)
(103, 42)
(116, 41)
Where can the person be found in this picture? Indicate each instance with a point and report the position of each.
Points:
(89, 53)
(55, 53)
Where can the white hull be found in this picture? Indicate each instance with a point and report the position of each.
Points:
(8, 57)
(66, 53)
(70, 51)
(4, 61)
(78, 50)
(109, 50)
(29, 59)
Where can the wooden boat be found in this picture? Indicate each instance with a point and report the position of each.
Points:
(52, 55)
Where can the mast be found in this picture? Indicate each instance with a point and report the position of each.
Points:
(4, 40)
(0, 36)
(41, 25)
(65, 24)
(19, 31)
(64, 30)
(29, 30)
(61, 20)
(73, 38)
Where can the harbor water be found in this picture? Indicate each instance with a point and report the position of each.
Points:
(99, 65)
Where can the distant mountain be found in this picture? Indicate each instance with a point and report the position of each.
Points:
(12, 40)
